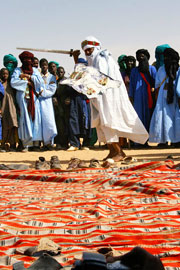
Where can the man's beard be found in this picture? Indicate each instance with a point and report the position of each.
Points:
(143, 66)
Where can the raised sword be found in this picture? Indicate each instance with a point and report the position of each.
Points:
(70, 52)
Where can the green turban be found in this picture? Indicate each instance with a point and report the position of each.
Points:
(56, 63)
(159, 54)
(10, 62)
(121, 62)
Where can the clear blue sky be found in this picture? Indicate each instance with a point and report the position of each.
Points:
(122, 26)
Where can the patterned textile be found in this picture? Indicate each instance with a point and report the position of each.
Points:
(87, 209)
(89, 81)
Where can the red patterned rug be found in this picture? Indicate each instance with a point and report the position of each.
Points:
(91, 208)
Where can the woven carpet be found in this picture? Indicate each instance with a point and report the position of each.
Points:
(87, 209)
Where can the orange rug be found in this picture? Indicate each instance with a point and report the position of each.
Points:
(91, 208)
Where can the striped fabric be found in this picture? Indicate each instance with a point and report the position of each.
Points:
(87, 209)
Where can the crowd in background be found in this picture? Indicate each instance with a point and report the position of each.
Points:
(38, 112)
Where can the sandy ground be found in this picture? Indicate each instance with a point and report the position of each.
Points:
(141, 155)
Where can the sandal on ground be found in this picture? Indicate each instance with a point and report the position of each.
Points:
(109, 163)
(94, 163)
(82, 164)
(72, 148)
(73, 163)
(42, 164)
(128, 160)
(55, 163)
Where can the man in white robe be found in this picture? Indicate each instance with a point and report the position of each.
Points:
(112, 113)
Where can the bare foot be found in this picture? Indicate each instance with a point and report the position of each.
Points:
(110, 155)
(118, 157)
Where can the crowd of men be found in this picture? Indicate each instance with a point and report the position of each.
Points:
(38, 112)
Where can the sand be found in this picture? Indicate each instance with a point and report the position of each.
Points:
(141, 155)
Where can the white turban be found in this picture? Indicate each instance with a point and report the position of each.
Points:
(91, 42)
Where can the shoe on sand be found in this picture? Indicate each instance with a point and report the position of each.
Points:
(128, 160)
(42, 164)
(94, 163)
(84, 148)
(55, 163)
(73, 163)
(72, 148)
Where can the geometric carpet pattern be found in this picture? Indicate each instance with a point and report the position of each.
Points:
(87, 209)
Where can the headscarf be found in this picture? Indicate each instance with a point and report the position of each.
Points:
(91, 42)
(132, 59)
(142, 51)
(121, 62)
(143, 62)
(10, 62)
(159, 55)
(26, 66)
(143, 69)
(54, 62)
(171, 63)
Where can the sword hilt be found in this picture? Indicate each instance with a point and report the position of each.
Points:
(71, 52)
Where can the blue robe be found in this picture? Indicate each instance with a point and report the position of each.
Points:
(138, 91)
(49, 129)
(28, 130)
(165, 122)
(1, 98)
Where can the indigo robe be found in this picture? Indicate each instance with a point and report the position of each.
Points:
(138, 91)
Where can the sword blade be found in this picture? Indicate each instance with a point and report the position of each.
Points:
(46, 50)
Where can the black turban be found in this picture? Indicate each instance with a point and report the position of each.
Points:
(171, 63)
(145, 52)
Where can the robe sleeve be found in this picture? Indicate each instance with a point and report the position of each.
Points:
(49, 89)
(1, 94)
(16, 82)
(178, 84)
(37, 80)
(157, 79)
(153, 72)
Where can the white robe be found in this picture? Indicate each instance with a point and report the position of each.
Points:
(112, 113)
(49, 130)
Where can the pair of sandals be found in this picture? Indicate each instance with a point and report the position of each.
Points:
(76, 163)
(42, 164)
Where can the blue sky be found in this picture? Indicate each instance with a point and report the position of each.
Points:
(122, 26)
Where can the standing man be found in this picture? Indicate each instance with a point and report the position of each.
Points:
(28, 82)
(142, 81)
(111, 112)
(165, 122)
(10, 62)
(130, 62)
